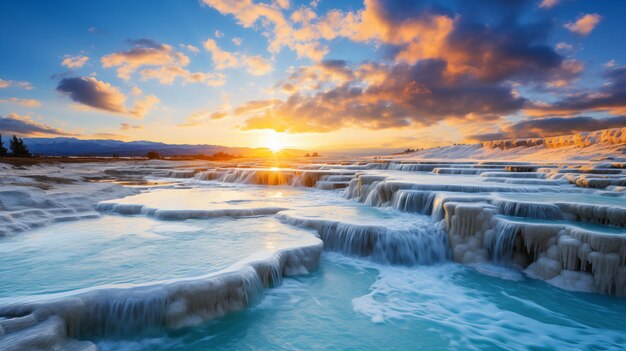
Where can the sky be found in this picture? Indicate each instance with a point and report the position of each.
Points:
(315, 74)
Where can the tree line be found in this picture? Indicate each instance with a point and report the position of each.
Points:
(17, 147)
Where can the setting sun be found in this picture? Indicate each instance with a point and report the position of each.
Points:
(279, 174)
(273, 141)
(275, 145)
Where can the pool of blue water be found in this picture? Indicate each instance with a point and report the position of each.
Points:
(114, 250)
(347, 304)
(351, 304)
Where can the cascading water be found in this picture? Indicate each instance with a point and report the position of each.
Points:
(398, 216)
(415, 201)
(500, 242)
(424, 243)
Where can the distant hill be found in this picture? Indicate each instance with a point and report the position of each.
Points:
(103, 147)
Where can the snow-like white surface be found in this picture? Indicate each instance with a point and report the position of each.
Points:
(606, 144)
(562, 222)
(40, 194)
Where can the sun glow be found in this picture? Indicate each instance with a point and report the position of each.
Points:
(275, 145)
(274, 141)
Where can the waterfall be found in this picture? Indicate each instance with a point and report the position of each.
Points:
(415, 201)
(129, 311)
(500, 242)
(418, 245)
(528, 209)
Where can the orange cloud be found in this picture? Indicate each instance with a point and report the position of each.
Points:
(257, 65)
(585, 24)
(406, 95)
(128, 126)
(74, 61)
(546, 127)
(168, 74)
(144, 53)
(11, 83)
(222, 59)
(22, 102)
(200, 117)
(168, 65)
(610, 97)
(283, 34)
(546, 4)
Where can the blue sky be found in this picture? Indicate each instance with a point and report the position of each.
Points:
(354, 74)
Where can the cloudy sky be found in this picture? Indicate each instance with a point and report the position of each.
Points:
(311, 74)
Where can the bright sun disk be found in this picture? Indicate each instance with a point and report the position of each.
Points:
(275, 145)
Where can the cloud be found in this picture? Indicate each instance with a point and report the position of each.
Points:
(488, 49)
(279, 29)
(168, 74)
(539, 128)
(136, 91)
(25, 126)
(128, 126)
(489, 40)
(315, 77)
(222, 59)
(194, 50)
(546, 4)
(145, 52)
(96, 30)
(74, 61)
(11, 83)
(564, 47)
(218, 34)
(610, 97)
(143, 106)
(22, 102)
(406, 95)
(94, 93)
(167, 65)
(303, 15)
(285, 4)
(99, 95)
(255, 106)
(585, 24)
(200, 117)
(257, 65)
(237, 41)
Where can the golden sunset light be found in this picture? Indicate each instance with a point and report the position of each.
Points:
(251, 175)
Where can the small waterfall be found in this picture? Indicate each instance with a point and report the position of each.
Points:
(415, 246)
(121, 312)
(500, 242)
(528, 175)
(414, 201)
(528, 209)
(285, 177)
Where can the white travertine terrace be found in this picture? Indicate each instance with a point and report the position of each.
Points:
(560, 220)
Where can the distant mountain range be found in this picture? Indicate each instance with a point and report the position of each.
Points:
(63, 146)
(103, 147)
